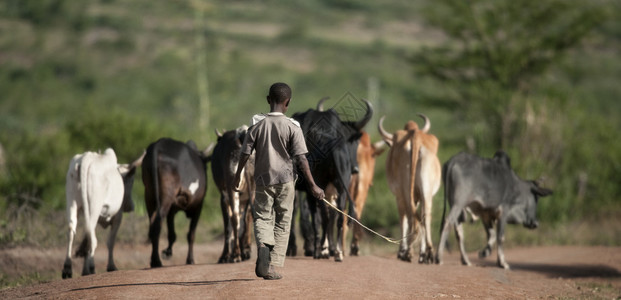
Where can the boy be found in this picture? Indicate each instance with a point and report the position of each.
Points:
(278, 142)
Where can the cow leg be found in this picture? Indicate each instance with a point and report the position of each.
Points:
(491, 236)
(443, 235)
(340, 227)
(172, 236)
(357, 229)
(426, 250)
(500, 240)
(116, 224)
(316, 224)
(89, 262)
(459, 233)
(449, 221)
(72, 217)
(91, 225)
(405, 252)
(327, 226)
(154, 235)
(329, 220)
(306, 225)
(245, 239)
(224, 257)
(292, 248)
(191, 236)
(236, 226)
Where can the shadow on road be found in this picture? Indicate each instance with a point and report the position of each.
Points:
(569, 271)
(195, 283)
(556, 270)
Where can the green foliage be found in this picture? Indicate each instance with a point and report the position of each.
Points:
(35, 168)
(118, 130)
(497, 49)
(38, 12)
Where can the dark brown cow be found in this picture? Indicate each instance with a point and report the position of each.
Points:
(236, 206)
(174, 177)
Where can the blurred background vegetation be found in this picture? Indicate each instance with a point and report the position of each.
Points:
(538, 79)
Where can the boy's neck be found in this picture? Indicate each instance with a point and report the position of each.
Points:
(278, 108)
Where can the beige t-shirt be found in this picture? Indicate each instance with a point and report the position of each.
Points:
(277, 140)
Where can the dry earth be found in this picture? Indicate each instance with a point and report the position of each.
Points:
(541, 272)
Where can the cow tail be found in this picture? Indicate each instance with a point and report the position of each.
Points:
(445, 180)
(85, 165)
(414, 164)
(156, 183)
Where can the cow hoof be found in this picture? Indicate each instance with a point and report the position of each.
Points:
(325, 253)
(292, 250)
(404, 256)
(485, 253)
(426, 257)
(309, 253)
(223, 259)
(245, 255)
(156, 264)
(353, 251)
(111, 269)
(338, 257)
(167, 253)
(67, 271)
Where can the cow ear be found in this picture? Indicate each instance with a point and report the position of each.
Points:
(540, 191)
(191, 144)
(503, 158)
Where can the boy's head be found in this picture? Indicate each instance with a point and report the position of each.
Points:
(279, 94)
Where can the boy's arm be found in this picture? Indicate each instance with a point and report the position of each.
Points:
(303, 165)
(242, 162)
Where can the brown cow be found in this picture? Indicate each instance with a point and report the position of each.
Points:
(175, 179)
(413, 172)
(360, 183)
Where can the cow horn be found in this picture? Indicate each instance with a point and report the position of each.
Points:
(378, 147)
(218, 134)
(427, 123)
(387, 137)
(367, 117)
(208, 150)
(138, 161)
(320, 103)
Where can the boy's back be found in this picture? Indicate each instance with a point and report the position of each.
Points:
(277, 139)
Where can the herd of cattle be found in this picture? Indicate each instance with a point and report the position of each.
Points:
(342, 161)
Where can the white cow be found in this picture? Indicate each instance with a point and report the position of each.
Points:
(100, 187)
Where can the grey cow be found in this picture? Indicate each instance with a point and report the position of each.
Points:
(490, 189)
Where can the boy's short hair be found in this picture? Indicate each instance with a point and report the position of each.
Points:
(279, 92)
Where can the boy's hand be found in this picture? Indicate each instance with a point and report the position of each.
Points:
(317, 192)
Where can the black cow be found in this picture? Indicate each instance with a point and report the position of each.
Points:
(236, 207)
(174, 177)
(332, 145)
(490, 189)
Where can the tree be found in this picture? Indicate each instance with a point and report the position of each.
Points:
(495, 49)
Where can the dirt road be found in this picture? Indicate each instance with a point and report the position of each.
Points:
(542, 272)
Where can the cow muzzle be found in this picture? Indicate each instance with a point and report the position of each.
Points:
(531, 224)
